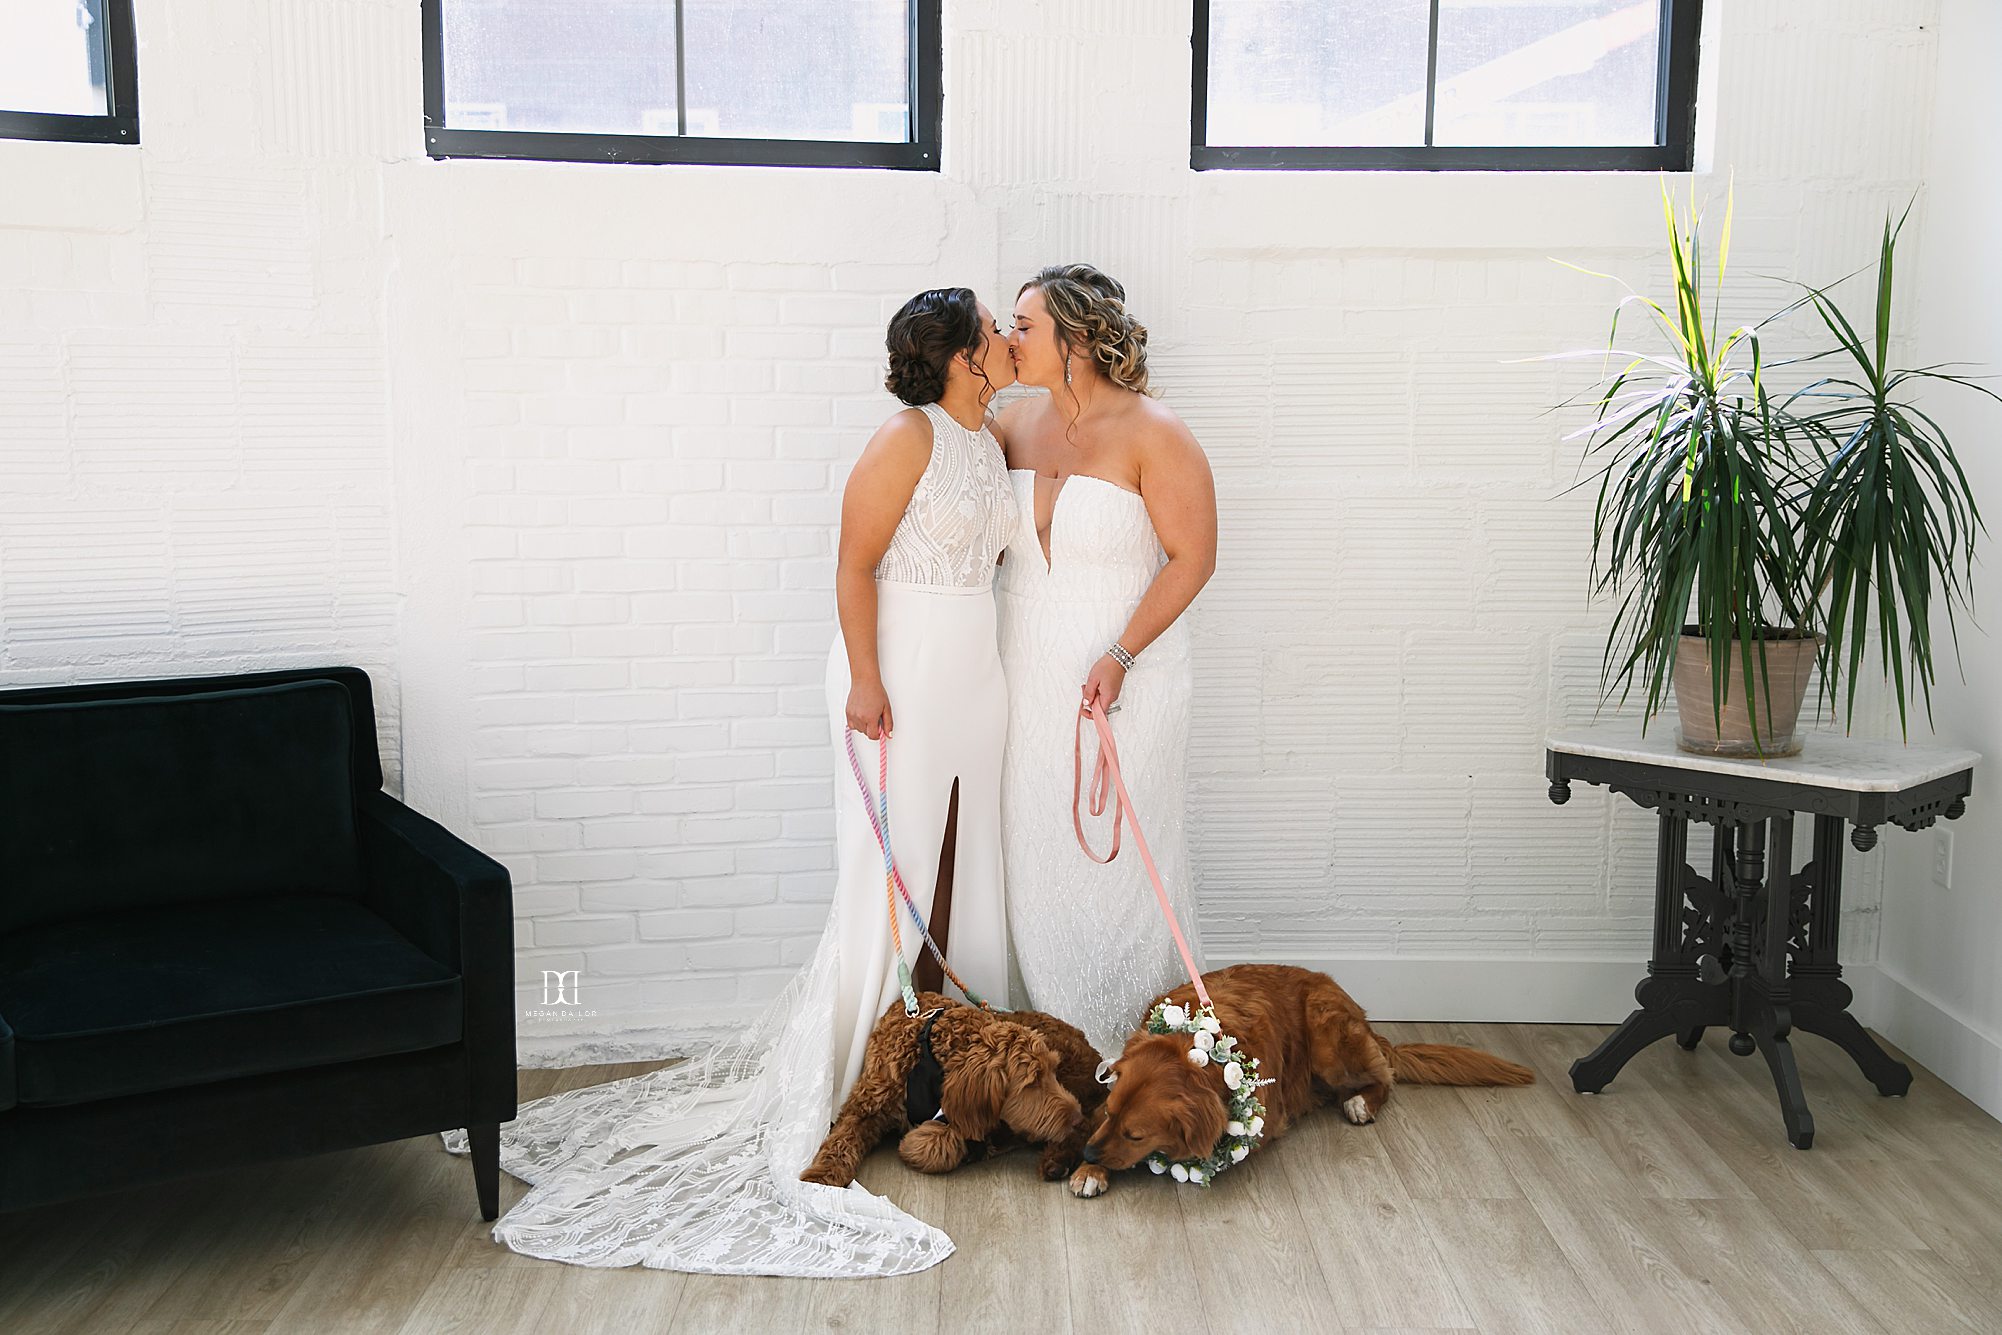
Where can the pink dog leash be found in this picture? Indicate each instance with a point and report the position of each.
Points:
(1107, 769)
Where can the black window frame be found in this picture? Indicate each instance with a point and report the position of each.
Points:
(1674, 149)
(120, 124)
(920, 153)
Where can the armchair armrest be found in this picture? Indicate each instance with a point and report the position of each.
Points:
(457, 905)
(6, 1065)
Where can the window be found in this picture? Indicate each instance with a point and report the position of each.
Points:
(68, 71)
(1472, 85)
(833, 83)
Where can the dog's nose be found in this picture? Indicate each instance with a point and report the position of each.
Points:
(1091, 1154)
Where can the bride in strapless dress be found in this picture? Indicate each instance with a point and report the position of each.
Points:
(1117, 535)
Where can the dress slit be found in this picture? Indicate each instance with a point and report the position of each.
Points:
(928, 976)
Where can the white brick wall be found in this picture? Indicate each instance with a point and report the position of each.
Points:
(555, 451)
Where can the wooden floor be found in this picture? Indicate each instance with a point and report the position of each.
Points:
(1671, 1202)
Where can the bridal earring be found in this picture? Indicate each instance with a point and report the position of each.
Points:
(1067, 370)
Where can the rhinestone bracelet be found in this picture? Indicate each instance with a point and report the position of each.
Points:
(1120, 655)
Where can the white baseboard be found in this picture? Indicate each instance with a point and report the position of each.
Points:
(1957, 1051)
(1493, 991)
(1483, 991)
(1471, 991)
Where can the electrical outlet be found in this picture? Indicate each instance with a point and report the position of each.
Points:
(1942, 857)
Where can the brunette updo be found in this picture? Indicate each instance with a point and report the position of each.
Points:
(932, 328)
(1088, 308)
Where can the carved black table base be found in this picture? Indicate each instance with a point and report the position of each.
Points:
(1751, 947)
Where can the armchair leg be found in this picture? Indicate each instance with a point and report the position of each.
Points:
(484, 1141)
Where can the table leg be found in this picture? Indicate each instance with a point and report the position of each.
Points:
(1767, 996)
(1666, 1008)
(1786, 1079)
(1672, 999)
(1834, 1023)
(1820, 997)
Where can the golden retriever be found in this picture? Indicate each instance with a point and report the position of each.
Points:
(1312, 1042)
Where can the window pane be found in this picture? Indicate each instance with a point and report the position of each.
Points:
(579, 66)
(781, 69)
(52, 58)
(1333, 72)
(1514, 72)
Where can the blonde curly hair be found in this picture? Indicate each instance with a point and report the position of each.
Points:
(1087, 307)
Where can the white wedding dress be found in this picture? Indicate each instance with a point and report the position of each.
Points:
(696, 1166)
(1089, 938)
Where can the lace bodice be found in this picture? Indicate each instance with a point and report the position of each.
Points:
(960, 517)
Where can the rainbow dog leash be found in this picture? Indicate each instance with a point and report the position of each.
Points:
(877, 800)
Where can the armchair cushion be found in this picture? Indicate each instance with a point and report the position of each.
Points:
(185, 994)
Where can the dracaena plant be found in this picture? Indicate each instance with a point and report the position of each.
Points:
(1890, 519)
(1710, 487)
(1699, 486)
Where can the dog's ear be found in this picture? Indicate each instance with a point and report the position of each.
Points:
(1198, 1117)
(976, 1087)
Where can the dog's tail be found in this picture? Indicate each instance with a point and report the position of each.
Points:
(1445, 1064)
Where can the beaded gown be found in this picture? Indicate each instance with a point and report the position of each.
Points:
(1089, 938)
(696, 1166)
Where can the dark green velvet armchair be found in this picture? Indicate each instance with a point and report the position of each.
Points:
(221, 942)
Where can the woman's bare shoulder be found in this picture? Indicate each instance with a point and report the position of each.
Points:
(1159, 429)
(1015, 424)
(903, 444)
(904, 430)
(1022, 411)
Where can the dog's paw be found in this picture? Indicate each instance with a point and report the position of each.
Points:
(1090, 1180)
(826, 1176)
(1057, 1160)
(1356, 1109)
(932, 1147)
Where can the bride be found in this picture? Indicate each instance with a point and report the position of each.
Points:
(1117, 536)
(696, 1166)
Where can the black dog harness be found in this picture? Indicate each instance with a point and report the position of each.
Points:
(924, 1087)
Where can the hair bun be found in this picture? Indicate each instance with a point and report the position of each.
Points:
(915, 381)
(924, 336)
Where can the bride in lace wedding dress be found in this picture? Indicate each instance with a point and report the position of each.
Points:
(696, 1166)
(1117, 536)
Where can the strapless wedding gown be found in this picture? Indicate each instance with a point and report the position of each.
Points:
(696, 1166)
(1089, 938)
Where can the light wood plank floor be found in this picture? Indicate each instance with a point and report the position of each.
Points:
(1669, 1203)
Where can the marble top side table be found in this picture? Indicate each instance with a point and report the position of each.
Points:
(1722, 955)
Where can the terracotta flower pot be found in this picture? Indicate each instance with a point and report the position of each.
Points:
(1789, 665)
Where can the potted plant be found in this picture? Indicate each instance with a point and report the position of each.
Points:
(1790, 522)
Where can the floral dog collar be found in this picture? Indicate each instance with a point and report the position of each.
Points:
(1208, 1043)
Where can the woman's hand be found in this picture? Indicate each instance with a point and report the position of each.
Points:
(1103, 682)
(869, 709)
